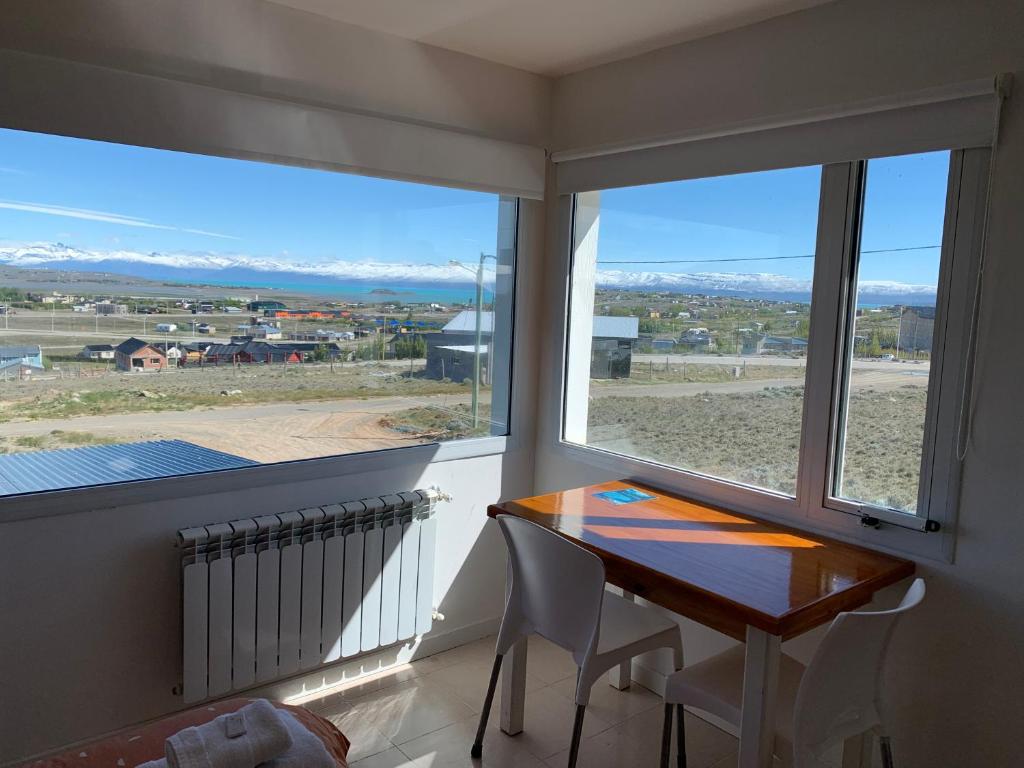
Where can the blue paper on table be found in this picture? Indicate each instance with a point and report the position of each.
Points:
(624, 496)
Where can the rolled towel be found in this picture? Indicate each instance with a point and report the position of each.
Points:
(306, 751)
(254, 734)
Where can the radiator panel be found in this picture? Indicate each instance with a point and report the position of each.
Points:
(244, 651)
(267, 597)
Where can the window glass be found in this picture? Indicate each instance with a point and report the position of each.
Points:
(690, 315)
(164, 313)
(890, 332)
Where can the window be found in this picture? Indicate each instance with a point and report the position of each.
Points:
(890, 332)
(255, 313)
(693, 327)
(793, 340)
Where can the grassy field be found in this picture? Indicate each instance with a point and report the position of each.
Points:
(703, 373)
(56, 438)
(182, 390)
(437, 424)
(754, 438)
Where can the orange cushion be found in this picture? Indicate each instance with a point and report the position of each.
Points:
(139, 744)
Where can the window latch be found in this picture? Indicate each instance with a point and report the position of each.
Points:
(869, 521)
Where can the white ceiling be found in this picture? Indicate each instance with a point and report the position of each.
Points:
(551, 37)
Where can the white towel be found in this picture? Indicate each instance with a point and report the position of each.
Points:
(306, 751)
(254, 734)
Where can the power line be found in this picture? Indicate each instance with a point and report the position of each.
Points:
(766, 258)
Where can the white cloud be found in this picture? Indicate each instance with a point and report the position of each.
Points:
(103, 216)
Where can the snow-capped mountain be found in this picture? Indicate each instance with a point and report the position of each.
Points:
(192, 267)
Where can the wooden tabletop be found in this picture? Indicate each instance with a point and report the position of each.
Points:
(720, 568)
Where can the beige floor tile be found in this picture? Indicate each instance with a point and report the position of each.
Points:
(705, 744)
(391, 758)
(411, 709)
(547, 662)
(468, 680)
(608, 749)
(610, 704)
(362, 731)
(450, 747)
(547, 727)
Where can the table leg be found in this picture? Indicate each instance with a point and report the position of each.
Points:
(760, 689)
(621, 676)
(513, 689)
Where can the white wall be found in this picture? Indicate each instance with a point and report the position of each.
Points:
(267, 49)
(90, 600)
(958, 668)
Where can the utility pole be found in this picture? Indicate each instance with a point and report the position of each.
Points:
(479, 334)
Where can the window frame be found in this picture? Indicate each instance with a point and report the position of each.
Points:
(814, 506)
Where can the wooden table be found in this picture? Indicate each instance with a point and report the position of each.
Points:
(758, 582)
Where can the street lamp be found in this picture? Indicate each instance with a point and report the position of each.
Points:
(479, 273)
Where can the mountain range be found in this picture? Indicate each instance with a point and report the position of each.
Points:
(240, 268)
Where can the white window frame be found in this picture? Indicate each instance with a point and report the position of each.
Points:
(814, 506)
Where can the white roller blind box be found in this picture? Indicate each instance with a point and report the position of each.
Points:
(55, 96)
(955, 117)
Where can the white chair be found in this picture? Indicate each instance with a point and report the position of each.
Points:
(835, 698)
(557, 591)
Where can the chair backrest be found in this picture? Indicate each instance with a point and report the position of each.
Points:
(839, 693)
(556, 589)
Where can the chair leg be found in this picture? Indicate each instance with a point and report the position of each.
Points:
(681, 736)
(886, 747)
(577, 732)
(478, 745)
(666, 737)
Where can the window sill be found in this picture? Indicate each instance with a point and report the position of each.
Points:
(71, 500)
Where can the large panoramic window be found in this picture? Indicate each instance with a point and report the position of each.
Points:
(798, 332)
(691, 314)
(165, 313)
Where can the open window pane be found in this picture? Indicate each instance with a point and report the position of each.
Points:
(689, 321)
(166, 313)
(890, 332)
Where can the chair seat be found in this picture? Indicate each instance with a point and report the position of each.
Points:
(627, 626)
(715, 685)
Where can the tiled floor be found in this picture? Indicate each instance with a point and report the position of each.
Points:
(425, 716)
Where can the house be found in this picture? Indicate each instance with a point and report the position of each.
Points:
(916, 329)
(452, 350)
(97, 352)
(29, 354)
(108, 308)
(138, 355)
(697, 340)
(611, 349)
(264, 305)
(451, 355)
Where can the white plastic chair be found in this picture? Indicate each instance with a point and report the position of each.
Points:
(557, 591)
(835, 698)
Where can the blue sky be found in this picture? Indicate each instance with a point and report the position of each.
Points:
(154, 200)
(104, 196)
(774, 214)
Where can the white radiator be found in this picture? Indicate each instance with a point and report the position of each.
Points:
(270, 596)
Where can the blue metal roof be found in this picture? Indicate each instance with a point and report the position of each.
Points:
(101, 464)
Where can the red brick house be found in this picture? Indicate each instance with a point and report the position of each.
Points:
(137, 355)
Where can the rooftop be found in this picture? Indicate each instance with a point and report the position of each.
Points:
(100, 464)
